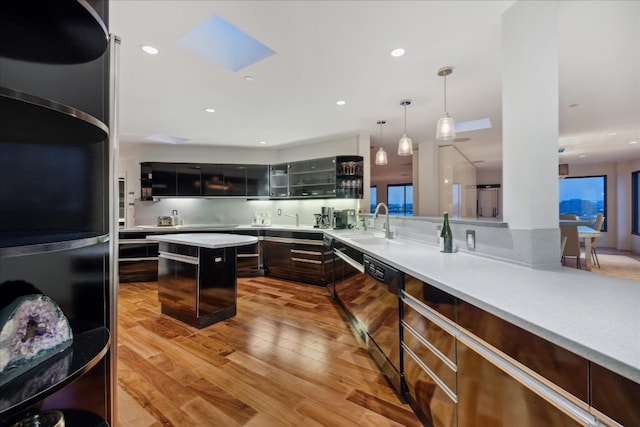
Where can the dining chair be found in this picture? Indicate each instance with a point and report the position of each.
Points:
(594, 240)
(572, 245)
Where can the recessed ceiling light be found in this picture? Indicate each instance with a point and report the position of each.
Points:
(341, 102)
(248, 78)
(633, 142)
(210, 110)
(612, 134)
(397, 52)
(149, 49)
(263, 142)
(573, 105)
(582, 155)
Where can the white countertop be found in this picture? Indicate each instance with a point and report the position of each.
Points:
(592, 315)
(205, 240)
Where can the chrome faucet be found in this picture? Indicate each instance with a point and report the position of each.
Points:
(296, 216)
(387, 232)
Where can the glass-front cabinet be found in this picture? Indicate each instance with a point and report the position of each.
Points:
(313, 178)
(279, 181)
(328, 177)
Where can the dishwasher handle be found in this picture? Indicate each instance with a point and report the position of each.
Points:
(353, 263)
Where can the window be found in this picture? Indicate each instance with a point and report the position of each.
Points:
(373, 198)
(635, 202)
(585, 196)
(400, 199)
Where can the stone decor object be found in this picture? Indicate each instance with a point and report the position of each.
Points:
(33, 328)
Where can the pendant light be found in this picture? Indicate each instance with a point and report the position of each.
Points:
(381, 155)
(446, 128)
(405, 146)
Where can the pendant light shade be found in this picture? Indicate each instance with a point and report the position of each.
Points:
(381, 155)
(405, 146)
(446, 128)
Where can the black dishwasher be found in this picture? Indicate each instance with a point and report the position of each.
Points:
(369, 295)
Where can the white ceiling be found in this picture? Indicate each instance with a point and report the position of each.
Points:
(339, 50)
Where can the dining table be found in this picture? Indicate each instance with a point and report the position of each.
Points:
(587, 233)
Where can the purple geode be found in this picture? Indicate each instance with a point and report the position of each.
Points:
(32, 329)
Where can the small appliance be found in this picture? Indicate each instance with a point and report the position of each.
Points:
(345, 218)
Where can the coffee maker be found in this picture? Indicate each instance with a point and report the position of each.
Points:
(345, 218)
(326, 217)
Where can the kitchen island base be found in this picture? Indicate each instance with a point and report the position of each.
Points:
(197, 276)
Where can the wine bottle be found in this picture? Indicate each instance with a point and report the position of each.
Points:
(446, 235)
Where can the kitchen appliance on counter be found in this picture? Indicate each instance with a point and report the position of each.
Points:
(326, 217)
(165, 221)
(345, 218)
(261, 218)
(168, 221)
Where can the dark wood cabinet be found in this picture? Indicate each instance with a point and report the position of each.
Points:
(299, 256)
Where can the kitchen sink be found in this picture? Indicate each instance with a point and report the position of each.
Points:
(372, 240)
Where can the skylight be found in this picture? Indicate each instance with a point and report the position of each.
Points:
(470, 125)
(163, 137)
(223, 43)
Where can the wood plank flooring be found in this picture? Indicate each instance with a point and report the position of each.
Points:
(287, 358)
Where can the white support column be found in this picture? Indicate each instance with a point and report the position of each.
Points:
(530, 130)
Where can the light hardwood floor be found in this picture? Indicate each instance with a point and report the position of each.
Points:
(286, 359)
(614, 263)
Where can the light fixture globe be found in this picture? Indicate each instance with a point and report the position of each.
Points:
(381, 155)
(405, 146)
(446, 128)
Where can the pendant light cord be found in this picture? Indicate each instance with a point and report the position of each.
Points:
(445, 94)
(405, 119)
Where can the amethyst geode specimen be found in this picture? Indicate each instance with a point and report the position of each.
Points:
(32, 329)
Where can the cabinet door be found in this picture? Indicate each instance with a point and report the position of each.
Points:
(277, 255)
(186, 289)
(164, 179)
(217, 281)
(212, 179)
(487, 396)
(188, 179)
(279, 181)
(257, 180)
(166, 283)
(235, 180)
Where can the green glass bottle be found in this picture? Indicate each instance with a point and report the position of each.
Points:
(446, 235)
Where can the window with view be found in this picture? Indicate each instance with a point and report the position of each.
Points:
(635, 202)
(373, 198)
(400, 199)
(584, 196)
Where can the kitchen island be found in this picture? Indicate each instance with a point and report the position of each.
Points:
(197, 276)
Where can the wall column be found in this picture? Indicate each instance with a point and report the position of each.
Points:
(530, 130)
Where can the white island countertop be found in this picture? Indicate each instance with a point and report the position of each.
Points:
(205, 240)
(592, 315)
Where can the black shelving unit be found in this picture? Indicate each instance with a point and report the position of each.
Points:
(56, 168)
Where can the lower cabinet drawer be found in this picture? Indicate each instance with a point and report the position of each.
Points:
(443, 369)
(433, 405)
(132, 270)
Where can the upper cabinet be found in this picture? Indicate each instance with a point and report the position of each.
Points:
(53, 32)
(158, 179)
(328, 177)
(279, 181)
(313, 178)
